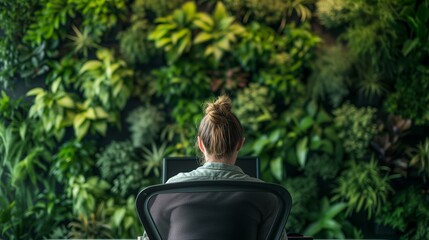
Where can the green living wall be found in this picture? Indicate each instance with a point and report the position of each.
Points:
(333, 96)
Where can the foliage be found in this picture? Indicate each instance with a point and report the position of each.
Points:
(330, 76)
(388, 145)
(187, 114)
(217, 32)
(326, 225)
(331, 13)
(273, 11)
(105, 79)
(90, 227)
(371, 28)
(408, 89)
(256, 47)
(411, 82)
(53, 16)
(15, 16)
(159, 7)
(174, 32)
(183, 80)
(85, 192)
(134, 45)
(420, 158)
(302, 133)
(73, 158)
(291, 55)
(322, 166)
(416, 17)
(408, 213)
(145, 124)
(146, 66)
(82, 41)
(304, 192)
(52, 108)
(100, 81)
(122, 214)
(367, 190)
(254, 107)
(120, 166)
(25, 153)
(152, 160)
(356, 128)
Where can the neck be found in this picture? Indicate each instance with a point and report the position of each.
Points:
(230, 160)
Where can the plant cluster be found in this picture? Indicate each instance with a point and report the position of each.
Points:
(145, 124)
(366, 191)
(356, 127)
(119, 165)
(410, 221)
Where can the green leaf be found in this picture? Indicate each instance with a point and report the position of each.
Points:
(90, 65)
(35, 91)
(100, 127)
(205, 20)
(219, 12)
(82, 130)
(101, 113)
(409, 45)
(301, 151)
(55, 85)
(312, 108)
(217, 53)
(276, 167)
(183, 44)
(23, 130)
(202, 37)
(118, 216)
(162, 42)
(335, 210)
(66, 102)
(157, 33)
(189, 9)
(305, 123)
(225, 23)
(176, 36)
(260, 144)
(224, 44)
(90, 114)
(78, 120)
(313, 229)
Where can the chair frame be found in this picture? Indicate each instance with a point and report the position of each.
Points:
(142, 200)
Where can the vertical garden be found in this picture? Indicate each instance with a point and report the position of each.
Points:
(333, 96)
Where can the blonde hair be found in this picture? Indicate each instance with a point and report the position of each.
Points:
(220, 130)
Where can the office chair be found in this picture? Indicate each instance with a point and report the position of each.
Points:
(214, 210)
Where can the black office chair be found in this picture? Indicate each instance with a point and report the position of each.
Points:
(214, 210)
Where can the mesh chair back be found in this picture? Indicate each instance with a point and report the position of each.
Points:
(214, 210)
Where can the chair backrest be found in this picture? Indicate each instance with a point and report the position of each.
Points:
(214, 210)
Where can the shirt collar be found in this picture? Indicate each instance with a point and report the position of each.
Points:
(222, 166)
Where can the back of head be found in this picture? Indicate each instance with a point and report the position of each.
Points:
(220, 130)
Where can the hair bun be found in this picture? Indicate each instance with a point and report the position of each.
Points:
(218, 110)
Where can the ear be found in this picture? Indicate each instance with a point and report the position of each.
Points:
(240, 144)
(201, 145)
